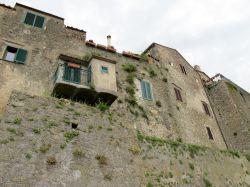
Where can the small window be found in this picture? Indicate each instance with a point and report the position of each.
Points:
(210, 135)
(183, 69)
(34, 20)
(205, 106)
(17, 55)
(178, 94)
(104, 69)
(146, 90)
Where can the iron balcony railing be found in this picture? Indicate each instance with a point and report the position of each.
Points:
(73, 75)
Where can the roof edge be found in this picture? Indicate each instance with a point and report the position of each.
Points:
(40, 11)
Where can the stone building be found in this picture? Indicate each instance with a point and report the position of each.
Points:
(168, 97)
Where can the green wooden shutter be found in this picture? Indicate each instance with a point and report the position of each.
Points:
(148, 90)
(76, 77)
(66, 73)
(143, 90)
(39, 21)
(29, 19)
(21, 56)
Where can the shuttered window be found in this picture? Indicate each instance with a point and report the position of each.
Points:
(183, 69)
(72, 74)
(146, 90)
(205, 106)
(209, 132)
(104, 69)
(34, 20)
(17, 55)
(178, 94)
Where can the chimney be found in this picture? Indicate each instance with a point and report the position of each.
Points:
(108, 41)
(196, 67)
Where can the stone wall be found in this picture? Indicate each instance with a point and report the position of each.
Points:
(57, 142)
(232, 108)
(190, 117)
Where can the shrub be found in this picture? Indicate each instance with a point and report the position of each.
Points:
(165, 79)
(130, 90)
(17, 121)
(207, 183)
(129, 68)
(78, 152)
(191, 166)
(51, 160)
(143, 57)
(108, 177)
(28, 156)
(130, 78)
(36, 131)
(152, 73)
(109, 129)
(12, 130)
(135, 150)
(4, 141)
(231, 86)
(102, 160)
(131, 100)
(149, 184)
(62, 146)
(158, 103)
(248, 157)
(70, 135)
(102, 106)
(44, 148)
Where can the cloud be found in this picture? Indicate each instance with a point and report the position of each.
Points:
(211, 33)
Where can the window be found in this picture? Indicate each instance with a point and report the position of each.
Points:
(34, 20)
(178, 94)
(17, 55)
(183, 69)
(210, 135)
(104, 69)
(146, 90)
(72, 74)
(205, 106)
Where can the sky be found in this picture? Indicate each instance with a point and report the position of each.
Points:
(214, 34)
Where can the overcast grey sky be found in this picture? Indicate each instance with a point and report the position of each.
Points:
(214, 34)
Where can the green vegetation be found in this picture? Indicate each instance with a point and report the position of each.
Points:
(151, 73)
(131, 100)
(135, 150)
(248, 157)
(17, 121)
(165, 79)
(51, 124)
(191, 166)
(130, 90)
(150, 184)
(4, 141)
(44, 148)
(77, 113)
(78, 152)
(130, 68)
(102, 106)
(155, 141)
(207, 183)
(143, 57)
(62, 146)
(158, 103)
(102, 160)
(70, 135)
(36, 130)
(28, 156)
(231, 86)
(109, 129)
(51, 160)
(130, 78)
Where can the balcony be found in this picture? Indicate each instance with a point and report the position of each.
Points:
(74, 81)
